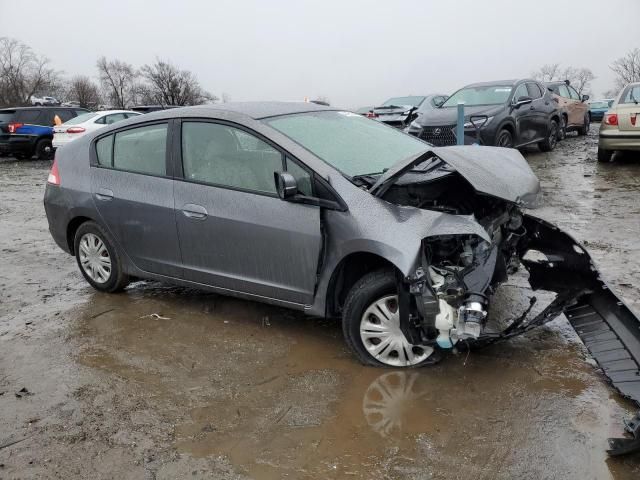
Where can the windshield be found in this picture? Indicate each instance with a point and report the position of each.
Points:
(349, 142)
(81, 118)
(631, 95)
(481, 95)
(599, 105)
(402, 101)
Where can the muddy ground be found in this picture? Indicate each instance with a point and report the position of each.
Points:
(223, 388)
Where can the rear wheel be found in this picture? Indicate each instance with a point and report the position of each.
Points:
(562, 131)
(604, 156)
(44, 149)
(504, 139)
(98, 258)
(371, 325)
(584, 129)
(550, 142)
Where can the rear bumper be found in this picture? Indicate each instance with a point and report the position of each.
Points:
(619, 141)
(17, 143)
(56, 208)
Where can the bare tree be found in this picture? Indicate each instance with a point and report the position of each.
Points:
(84, 90)
(580, 78)
(547, 73)
(169, 85)
(118, 79)
(627, 68)
(23, 73)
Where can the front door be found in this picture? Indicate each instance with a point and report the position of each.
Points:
(134, 197)
(235, 232)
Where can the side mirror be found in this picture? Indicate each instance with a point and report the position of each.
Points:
(585, 98)
(522, 101)
(286, 185)
(440, 102)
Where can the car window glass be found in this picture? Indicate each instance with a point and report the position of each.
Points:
(131, 115)
(534, 90)
(81, 112)
(631, 95)
(7, 115)
(116, 117)
(564, 91)
(104, 148)
(102, 120)
(65, 115)
(573, 93)
(227, 156)
(27, 116)
(303, 179)
(521, 91)
(141, 150)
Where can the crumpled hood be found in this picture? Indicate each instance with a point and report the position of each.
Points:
(499, 172)
(449, 115)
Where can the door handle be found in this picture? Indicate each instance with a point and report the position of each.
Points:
(104, 194)
(196, 212)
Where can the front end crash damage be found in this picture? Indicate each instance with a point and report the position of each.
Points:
(444, 303)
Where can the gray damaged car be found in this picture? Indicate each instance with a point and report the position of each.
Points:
(336, 215)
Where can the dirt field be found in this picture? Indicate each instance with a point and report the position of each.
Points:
(213, 387)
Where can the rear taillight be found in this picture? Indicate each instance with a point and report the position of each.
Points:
(14, 126)
(371, 115)
(75, 130)
(633, 119)
(54, 175)
(611, 119)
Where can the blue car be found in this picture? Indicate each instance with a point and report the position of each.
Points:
(598, 108)
(28, 131)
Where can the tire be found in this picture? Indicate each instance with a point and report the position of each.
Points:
(91, 255)
(584, 129)
(379, 287)
(604, 156)
(562, 132)
(549, 143)
(504, 139)
(44, 149)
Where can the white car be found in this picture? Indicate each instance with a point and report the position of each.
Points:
(44, 101)
(86, 123)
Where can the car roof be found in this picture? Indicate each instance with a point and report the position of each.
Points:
(255, 110)
(108, 112)
(500, 82)
(17, 109)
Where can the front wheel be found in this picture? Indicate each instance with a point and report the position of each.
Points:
(584, 129)
(98, 258)
(549, 143)
(371, 325)
(504, 139)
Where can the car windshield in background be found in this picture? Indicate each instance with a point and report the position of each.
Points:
(632, 95)
(349, 142)
(599, 105)
(401, 101)
(484, 95)
(81, 118)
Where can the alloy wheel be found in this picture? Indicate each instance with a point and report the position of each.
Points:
(381, 335)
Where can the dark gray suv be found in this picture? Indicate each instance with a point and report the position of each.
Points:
(323, 211)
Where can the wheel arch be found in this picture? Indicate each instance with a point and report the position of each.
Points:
(347, 272)
(72, 228)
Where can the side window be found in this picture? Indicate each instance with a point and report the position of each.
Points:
(302, 177)
(131, 115)
(521, 91)
(104, 150)
(27, 116)
(116, 117)
(227, 156)
(534, 90)
(573, 93)
(141, 150)
(65, 115)
(564, 91)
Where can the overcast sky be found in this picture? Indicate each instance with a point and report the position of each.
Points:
(354, 52)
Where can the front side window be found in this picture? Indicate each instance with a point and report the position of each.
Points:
(480, 95)
(227, 156)
(351, 143)
(534, 90)
(574, 95)
(521, 91)
(564, 91)
(141, 150)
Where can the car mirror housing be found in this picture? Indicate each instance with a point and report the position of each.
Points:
(585, 98)
(522, 101)
(286, 185)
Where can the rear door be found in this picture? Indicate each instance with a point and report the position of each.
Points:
(573, 115)
(524, 116)
(580, 107)
(235, 232)
(133, 193)
(539, 110)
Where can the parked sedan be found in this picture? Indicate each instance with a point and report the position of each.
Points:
(509, 113)
(86, 123)
(573, 106)
(401, 111)
(322, 211)
(620, 128)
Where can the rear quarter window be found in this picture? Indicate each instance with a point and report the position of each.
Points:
(7, 115)
(104, 151)
(28, 116)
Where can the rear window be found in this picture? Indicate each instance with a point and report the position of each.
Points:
(631, 95)
(6, 115)
(81, 118)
